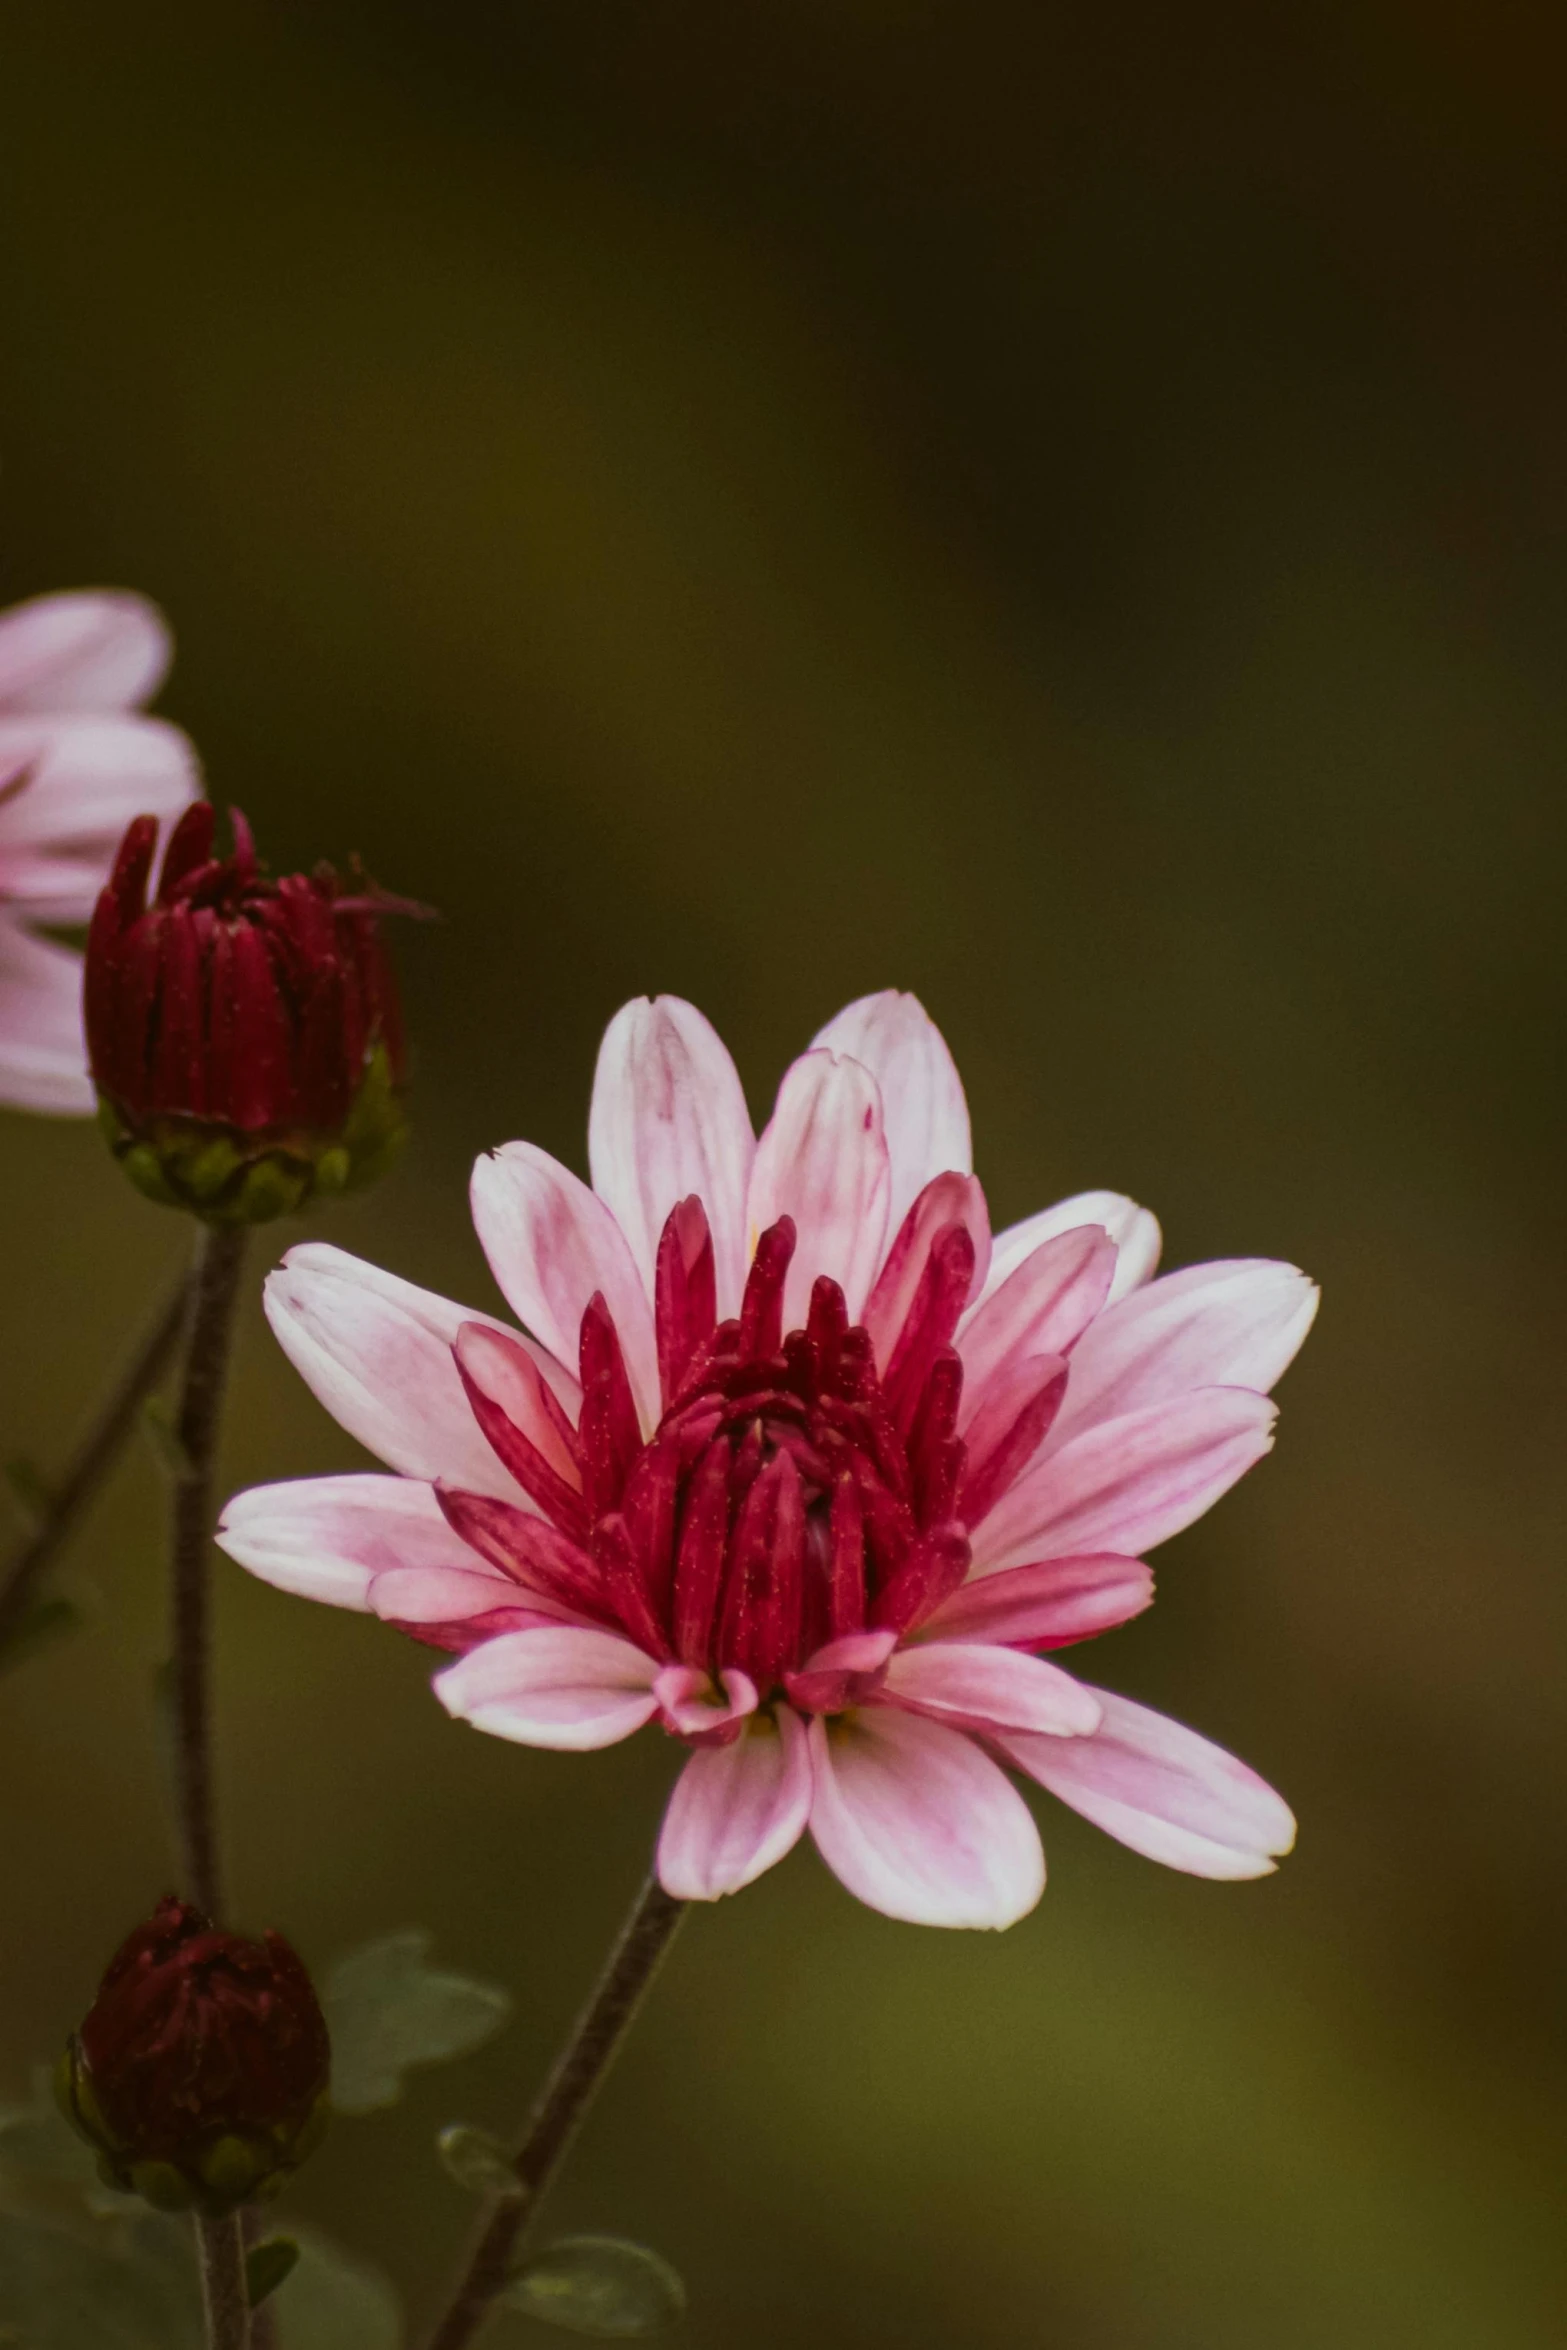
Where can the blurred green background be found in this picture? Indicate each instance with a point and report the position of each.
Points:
(1058, 508)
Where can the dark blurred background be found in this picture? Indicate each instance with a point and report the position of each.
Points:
(1058, 508)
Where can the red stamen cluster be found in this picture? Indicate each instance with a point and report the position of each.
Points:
(791, 1493)
(232, 997)
(201, 2070)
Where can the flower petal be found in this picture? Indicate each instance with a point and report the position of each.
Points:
(43, 1053)
(693, 1706)
(84, 650)
(378, 1353)
(979, 1687)
(329, 1537)
(1164, 1791)
(927, 1121)
(1133, 1229)
(457, 1607)
(945, 1200)
(823, 1161)
(918, 1823)
(669, 1119)
(571, 1688)
(1047, 1605)
(85, 778)
(552, 1245)
(1128, 1484)
(736, 1809)
(1043, 1308)
(1221, 1325)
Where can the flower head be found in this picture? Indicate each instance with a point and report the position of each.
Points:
(76, 763)
(795, 1460)
(245, 1034)
(200, 2072)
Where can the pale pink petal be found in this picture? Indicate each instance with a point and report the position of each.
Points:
(1125, 1485)
(571, 1688)
(43, 1054)
(1133, 1229)
(921, 1825)
(823, 1161)
(1164, 1791)
(1041, 1309)
(553, 1245)
(669, 1119)
(72, 786)
(852, 1652)
(979, 1687)
(1221, 1325)
(693, 1708)
(91, 649)
(946, 1199)
(736, 1810)
(329, 1537)
(444, 1599)
(927, 1122)
(1048, 1605)
(378, 1353)
(840, 1670)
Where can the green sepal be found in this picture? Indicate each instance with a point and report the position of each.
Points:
(228, 1177)
(266, 2266)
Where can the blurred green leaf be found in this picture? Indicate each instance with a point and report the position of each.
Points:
(134, 2289)
(331, 2301)
(30, 1490)
(82, 2268)
(476, 2160)
(48, 2173)
(387, 2009)
(50, 1618)
(266, 2266)
(598, 2285)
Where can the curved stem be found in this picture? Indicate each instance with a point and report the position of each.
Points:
(564, 2099)
(91, 1461)
(221, 2245)
(214, 1286)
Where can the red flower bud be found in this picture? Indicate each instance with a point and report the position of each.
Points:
(244, 1033)
(200, 2073)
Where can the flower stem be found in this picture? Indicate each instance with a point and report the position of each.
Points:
(91, 1461)
(565, 2097)
(221, 2245)
(214, 1286)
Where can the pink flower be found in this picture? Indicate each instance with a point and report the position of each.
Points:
(76, 765)
(799, 1463)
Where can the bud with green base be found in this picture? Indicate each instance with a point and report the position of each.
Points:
(244, 1034)
(200, 2074)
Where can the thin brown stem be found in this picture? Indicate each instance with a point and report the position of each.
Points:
(563, 2101)
(91, 1462)
(221, 2244)
(214, 1286)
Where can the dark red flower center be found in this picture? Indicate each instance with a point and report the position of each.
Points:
(793, 1491)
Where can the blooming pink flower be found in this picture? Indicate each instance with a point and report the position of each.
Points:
(798, 1462)
(76, 764)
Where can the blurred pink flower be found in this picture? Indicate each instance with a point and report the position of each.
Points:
(832, 1469)
(76, 764)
